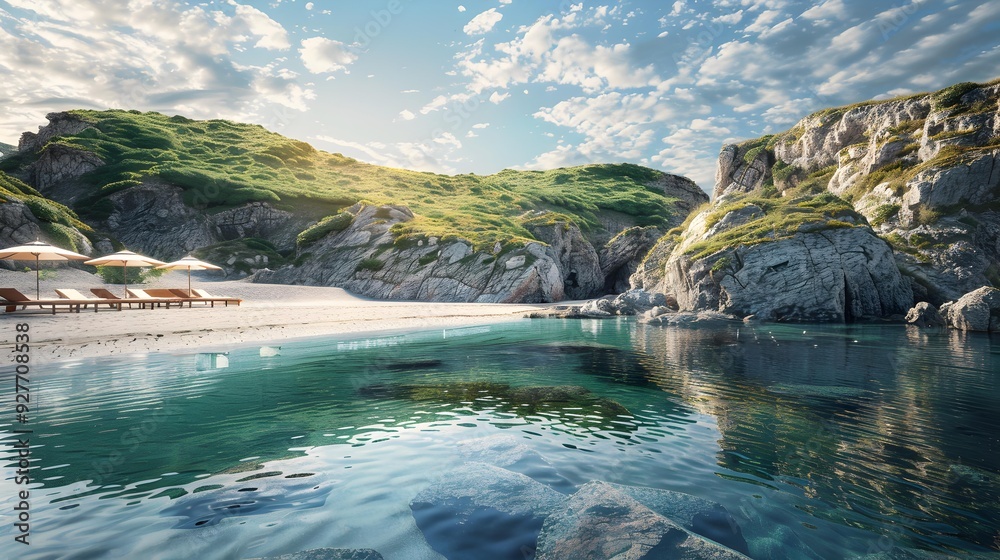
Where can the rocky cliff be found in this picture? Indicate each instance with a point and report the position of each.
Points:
(280, 211)
(852, 214)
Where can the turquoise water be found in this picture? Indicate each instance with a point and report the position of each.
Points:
(822, 441)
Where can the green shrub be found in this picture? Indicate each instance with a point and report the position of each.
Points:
(337, 222)
(373, 265)
(116, 274)
(883, 213)
(428, 259)
(952, 95)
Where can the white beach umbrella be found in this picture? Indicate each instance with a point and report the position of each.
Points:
(39, 251)
(124, 259)
(190, 263)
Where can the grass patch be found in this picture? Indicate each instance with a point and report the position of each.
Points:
(372, 265)
(783, 217)
(57, 220)
(330, 224)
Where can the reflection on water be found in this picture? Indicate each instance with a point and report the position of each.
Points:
(824, 442)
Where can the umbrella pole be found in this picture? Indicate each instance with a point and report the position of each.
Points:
(189, 282)
(125, 276)
(38, 291)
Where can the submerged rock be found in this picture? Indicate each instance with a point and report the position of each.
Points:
(698, 515)
(522, 401)
(601, 521)
(502, 450)
(481, 511)
(328, 554)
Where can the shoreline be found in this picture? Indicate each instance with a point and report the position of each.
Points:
(270, 313)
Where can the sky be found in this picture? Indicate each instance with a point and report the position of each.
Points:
(479, 86)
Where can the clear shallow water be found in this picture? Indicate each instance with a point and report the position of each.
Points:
(830, 442)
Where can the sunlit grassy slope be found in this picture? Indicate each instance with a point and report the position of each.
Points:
(54, 218)
(221, 164)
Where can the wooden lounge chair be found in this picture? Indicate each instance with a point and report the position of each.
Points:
(157, 301)
(106, 294)
(12, 299)
(203, 296)
(68, 293)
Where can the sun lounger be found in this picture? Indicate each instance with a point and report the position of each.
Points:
(143, 296)
(106, 294)
(203, 296)
(70, 294)
(12, 299)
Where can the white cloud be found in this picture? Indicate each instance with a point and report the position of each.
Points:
(729, 19)
(544, 52)
(461, 8)
(321, 55)
(496, 98)
(483, 22)
(481, 125)
(272, 35)
(309, 5)
(763, 21)
(407, 115)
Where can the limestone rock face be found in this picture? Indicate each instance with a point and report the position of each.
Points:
(578, 262)
(600, 521)
(737, 175)
(978, 310)
(621, 256)
(58, 165)
(258, 219)
(835, 275)
(153, 219)
(364, 259)
(688, 194)
(17, 224)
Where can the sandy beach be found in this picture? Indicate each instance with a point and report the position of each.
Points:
(269, 313)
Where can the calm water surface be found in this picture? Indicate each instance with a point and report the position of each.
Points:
(823, 441)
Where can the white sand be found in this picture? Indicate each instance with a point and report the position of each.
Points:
(269, 312)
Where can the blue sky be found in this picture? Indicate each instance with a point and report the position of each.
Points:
(471, 86)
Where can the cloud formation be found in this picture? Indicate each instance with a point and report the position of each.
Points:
(321, 55)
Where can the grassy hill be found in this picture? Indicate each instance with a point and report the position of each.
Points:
(221, 164)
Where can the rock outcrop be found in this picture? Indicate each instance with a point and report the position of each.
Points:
(60, 124)
(924, 314)
(978, 310)
(365, 259)
(835, 275)
(621, 256)
(923, 170)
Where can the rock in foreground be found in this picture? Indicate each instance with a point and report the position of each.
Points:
(481, 511)
(600, 521)
(328, 554)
